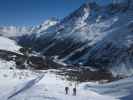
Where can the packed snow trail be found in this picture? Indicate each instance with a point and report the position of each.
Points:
(48, 87)
(51, 87)
(25, 86)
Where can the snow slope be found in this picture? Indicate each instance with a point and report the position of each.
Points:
(6, 64)
(39, 85)
(8, 44)
(122, 89)
(48, 87)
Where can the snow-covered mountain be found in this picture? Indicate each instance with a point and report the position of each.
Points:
(94, 35)
(14, 31)
(45, 25)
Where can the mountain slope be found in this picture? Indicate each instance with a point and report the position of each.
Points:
(93, 35)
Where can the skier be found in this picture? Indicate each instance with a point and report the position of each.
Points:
(66, 90)
(74, 91)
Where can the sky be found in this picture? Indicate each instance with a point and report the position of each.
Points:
(34, 12)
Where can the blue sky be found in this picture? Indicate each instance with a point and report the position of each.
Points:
(33, 12)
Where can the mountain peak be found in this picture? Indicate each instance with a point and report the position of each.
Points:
(46, 24)
(50, 21)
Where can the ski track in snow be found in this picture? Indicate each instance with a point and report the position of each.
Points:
(26, 86)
